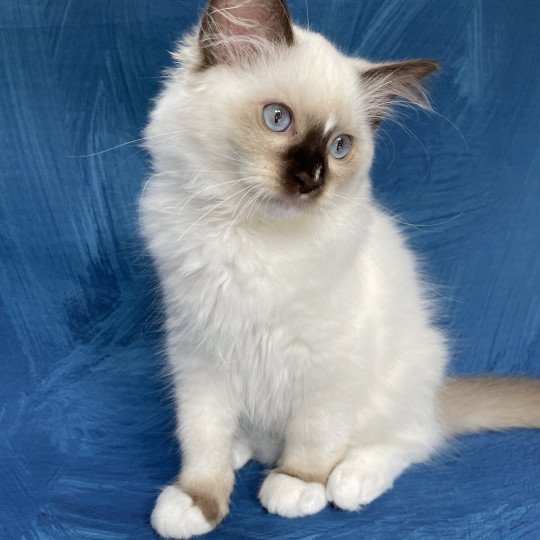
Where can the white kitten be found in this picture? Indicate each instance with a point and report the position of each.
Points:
(298, 330)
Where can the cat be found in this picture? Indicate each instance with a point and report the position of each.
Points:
(299, 331)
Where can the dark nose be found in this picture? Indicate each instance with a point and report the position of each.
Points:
(307, 182)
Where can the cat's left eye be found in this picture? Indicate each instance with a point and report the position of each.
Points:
(277, 117)
(340, 146)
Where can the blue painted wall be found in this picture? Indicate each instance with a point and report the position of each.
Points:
(85, 422)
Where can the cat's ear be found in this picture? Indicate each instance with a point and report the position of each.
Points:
(386, 83)
(234, 31)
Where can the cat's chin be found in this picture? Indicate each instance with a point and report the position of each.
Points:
(287, 207)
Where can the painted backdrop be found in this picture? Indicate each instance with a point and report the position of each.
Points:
(85, 419)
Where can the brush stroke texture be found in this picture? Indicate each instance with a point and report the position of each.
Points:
(85, 421)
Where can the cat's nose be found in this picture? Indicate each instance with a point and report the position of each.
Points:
(307, 182)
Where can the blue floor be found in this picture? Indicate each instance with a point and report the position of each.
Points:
(85, 419)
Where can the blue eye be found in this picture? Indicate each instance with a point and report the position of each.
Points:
(277, 117)
(340, 146)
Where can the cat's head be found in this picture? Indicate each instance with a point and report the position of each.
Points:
(270, 112)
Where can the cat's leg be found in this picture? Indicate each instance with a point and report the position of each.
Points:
(367, 472)
(313, 446)
(241, 453)
(199, 499)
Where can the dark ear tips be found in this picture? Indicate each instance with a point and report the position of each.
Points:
(236, 30)
(425, 68)
(409, 70)
(388, 82)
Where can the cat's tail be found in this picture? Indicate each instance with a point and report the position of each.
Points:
(471, 404)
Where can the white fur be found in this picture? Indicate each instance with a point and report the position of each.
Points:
(291, 497)
(299, 336)
(241, 454)
(175, 516)
(365, 474)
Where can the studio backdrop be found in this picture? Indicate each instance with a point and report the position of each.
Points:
(86, 424)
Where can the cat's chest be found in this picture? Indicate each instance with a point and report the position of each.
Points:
(250, 300)
(249, 283)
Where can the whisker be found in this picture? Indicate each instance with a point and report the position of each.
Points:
(236, 181)
(256, 207)
(454, 126)
(237, 220)
(134, 141)
(407, 130)
(211, 210)
(239, 202)
(400, 221)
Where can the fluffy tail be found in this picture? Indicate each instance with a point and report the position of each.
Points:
(468, 405)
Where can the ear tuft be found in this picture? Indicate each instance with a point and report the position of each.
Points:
(233, 31)
(386, 83)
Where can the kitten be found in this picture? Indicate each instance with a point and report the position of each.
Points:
(298, 330)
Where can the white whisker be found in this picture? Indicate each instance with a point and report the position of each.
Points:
(211, 210)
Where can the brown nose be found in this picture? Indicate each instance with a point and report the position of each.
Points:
(306, 182)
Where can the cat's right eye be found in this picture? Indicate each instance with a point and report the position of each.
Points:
(277, 117)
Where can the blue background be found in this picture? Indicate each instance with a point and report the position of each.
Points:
(85, 418)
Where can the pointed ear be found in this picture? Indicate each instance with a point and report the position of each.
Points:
(386, 83)
(232, 31)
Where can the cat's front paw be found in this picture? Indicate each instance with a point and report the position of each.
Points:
(176, 516)
(291, 497)
(352, 485)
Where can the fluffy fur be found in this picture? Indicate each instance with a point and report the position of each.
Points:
(298, 329)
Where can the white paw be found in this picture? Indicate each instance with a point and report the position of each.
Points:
(353, 485)
(241, 454)
(175, 515)
(291, 497)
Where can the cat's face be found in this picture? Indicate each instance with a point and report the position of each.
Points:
(292, 123)
(276, 111)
